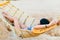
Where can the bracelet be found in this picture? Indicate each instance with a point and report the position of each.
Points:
(45, 26)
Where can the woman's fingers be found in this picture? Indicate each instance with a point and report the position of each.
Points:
(58, 23)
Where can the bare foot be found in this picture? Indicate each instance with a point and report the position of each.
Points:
(6, 15)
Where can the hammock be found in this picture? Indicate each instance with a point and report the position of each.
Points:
(25, 19)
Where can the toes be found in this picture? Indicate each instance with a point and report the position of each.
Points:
(5, 13)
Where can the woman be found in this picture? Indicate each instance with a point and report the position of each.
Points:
(20, 25)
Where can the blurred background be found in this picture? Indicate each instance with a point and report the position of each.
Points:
(39, 8)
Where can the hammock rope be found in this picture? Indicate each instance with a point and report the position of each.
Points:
(24, 18)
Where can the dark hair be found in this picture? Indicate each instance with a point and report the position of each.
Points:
(44, 21)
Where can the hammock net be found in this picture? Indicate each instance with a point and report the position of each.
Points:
(23, 18)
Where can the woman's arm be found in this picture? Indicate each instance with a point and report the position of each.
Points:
(39, 26)
(53, 22)
(16, 23)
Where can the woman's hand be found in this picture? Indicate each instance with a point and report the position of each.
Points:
(53, 22)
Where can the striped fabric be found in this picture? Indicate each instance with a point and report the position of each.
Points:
(23, 18)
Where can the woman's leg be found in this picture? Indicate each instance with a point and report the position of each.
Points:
(8, 16)
(16, 23)
(22, 25)
(13, 19)
(17, 27)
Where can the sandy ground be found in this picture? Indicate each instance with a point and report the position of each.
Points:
(47, 8)
(50, 35)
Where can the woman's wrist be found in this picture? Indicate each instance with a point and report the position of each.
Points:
(46, 26)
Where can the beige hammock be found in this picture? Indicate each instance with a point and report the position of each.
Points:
(24, 18)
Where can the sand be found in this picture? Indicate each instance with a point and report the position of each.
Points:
(53, 34)
(45, 9)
